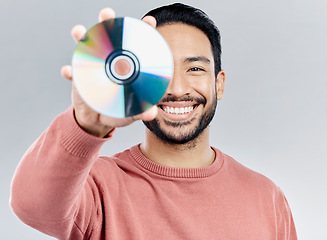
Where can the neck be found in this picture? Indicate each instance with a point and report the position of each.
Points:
(194, 154)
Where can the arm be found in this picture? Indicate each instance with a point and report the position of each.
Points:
(285, 223)
(48, 183)
(49, 188)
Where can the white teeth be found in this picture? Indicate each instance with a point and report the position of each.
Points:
(178, 110)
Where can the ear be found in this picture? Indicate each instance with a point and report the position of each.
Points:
(220, 84)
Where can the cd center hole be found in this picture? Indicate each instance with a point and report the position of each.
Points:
(122, 67)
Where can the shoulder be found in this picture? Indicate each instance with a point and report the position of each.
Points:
(260, 194)
(247, 178)
(253, 186)
(118, 164)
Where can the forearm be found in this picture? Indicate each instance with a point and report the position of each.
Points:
(52, 173)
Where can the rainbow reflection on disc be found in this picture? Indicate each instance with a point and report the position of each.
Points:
(122, 67)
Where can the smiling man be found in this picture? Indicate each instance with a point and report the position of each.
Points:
(189, 103)
(173, 185)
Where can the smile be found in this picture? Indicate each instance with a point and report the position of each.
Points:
(178, 110)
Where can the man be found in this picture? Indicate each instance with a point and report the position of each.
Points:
(171, 186)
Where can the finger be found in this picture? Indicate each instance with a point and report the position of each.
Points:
(66, 72)
(78, 32)
(149, 114)
(106, 14)
(150, 20)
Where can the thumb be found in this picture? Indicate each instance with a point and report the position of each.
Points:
(148, 115)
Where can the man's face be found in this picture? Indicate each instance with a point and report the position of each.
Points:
(190, 101)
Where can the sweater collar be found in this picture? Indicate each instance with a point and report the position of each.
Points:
(178, 172)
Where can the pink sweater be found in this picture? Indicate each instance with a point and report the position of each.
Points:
(62, 188)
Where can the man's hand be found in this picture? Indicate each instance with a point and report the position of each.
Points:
(89, 120)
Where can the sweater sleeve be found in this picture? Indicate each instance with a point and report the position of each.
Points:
(285, 223)
(49, 183)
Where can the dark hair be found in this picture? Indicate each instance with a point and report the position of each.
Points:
(179, 12)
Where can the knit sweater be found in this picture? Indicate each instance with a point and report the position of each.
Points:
(64, 189)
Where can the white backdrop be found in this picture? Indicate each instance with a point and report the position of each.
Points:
(272, 118)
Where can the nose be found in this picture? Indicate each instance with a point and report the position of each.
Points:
(179, 85)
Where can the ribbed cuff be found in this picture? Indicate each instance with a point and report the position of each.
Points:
(75, 140)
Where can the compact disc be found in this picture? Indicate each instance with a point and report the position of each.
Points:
(122, 67)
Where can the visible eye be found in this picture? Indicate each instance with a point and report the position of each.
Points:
(195, 69)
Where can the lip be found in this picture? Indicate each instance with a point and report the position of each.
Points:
(178, 117)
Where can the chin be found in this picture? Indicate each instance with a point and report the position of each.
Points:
(182, 134)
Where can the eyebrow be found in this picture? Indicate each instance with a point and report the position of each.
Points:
(197, 59)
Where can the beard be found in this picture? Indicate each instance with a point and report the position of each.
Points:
(185, 137)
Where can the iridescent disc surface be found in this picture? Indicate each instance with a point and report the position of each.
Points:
(122, 67)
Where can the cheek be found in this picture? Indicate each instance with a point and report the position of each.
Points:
(206, 88)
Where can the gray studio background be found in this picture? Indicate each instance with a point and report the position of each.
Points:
(272, 118)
